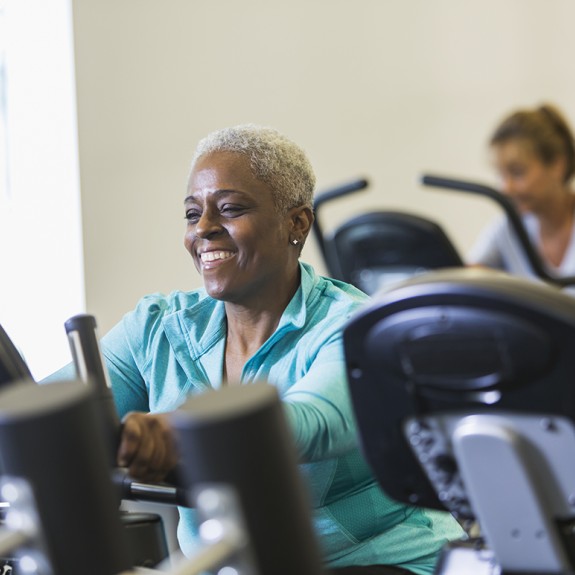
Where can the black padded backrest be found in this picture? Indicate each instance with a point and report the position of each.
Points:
(372, 248)
(451, 341)
(12, 365)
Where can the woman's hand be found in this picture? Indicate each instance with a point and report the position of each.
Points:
(147, 446)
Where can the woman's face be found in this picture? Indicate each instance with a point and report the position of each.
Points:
(237, 239)
(529, 182)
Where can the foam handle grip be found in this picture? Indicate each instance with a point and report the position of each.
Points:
(49, 436)
(238, 436)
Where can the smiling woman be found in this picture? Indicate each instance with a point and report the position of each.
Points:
(263, 315)
(238, 236)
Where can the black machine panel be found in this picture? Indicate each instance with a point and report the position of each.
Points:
(453, 341)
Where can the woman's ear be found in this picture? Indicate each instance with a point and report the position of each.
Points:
(301, 220)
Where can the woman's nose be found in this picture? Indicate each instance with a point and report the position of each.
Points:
(208, 224)
(507, 186)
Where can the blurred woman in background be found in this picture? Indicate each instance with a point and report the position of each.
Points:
(534, 155)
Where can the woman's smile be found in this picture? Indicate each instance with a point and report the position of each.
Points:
(209, 257)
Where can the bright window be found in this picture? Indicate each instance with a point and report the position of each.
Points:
(3, 127)
(41, 265)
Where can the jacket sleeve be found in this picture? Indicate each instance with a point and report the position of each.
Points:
(127, 349)
(128, 386)
(319, 409)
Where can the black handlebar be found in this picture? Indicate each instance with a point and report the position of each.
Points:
(342, 190)
(91, 369)
(330, 194)
(514, 219)
(81, 331)
(135, 490)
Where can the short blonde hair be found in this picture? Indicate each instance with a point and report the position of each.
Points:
(274, 159)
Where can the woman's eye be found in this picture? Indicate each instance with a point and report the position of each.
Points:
(192, 216)
(231, 210)
(516, 170)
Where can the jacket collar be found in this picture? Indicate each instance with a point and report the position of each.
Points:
(196, 330)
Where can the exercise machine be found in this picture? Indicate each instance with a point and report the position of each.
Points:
(144, 531)
(63, 494)
(378, 248)
(463, 385)
(63, 518)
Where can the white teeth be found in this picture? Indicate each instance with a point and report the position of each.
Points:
(212, 256)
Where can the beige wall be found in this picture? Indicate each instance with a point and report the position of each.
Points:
(384, 89)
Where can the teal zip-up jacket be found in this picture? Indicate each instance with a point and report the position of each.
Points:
(173, 346)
